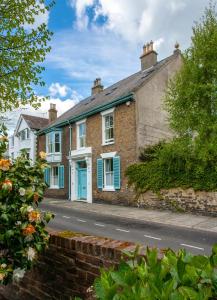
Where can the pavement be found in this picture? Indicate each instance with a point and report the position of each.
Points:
(183, 220)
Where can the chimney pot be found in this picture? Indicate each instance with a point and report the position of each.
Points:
(97, 86)
(52, 112)
(149, 56)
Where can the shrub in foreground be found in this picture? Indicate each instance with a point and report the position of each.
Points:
(174, 276)
(22, 225)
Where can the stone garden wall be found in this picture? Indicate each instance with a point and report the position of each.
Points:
(67, 269)
(181, 200)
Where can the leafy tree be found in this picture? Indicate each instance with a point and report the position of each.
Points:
(192, 96)
(190, 159)
(23, 47)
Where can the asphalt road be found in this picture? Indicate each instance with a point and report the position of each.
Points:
(145, 233)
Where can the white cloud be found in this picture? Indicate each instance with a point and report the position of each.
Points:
(56, 89)
(82, 18)
(139, 21)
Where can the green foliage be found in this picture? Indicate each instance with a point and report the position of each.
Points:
(23, 47)
(149, 153)
(192, 97)
(175, 276)
(190, 159)
(22, 225)
(180, 163)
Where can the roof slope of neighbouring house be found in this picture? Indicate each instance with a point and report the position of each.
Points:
(110, 94)
(35, 123)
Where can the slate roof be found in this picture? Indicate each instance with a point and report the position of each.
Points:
(34, 122)
(108, 95)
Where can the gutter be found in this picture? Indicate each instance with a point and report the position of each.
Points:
(89, 113)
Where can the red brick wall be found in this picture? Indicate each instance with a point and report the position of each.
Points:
(125, 146)
(67, 269)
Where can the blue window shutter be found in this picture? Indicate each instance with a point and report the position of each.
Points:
(100, 173)
(117, 172)
(61, 177)
(47, 176)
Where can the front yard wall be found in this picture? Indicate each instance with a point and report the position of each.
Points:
(199, 202)
(67, 269)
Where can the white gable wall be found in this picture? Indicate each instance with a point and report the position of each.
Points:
(26, 144)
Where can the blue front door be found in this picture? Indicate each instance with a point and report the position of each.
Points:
(82, 181)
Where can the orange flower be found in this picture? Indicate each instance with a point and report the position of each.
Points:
(7, 185)
(2, 276)
(36, 197)
(30, 229)
(3, 139)
(34, 216)
(4, 164)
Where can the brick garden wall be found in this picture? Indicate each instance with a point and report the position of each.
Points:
(188, 200)
(67, 269)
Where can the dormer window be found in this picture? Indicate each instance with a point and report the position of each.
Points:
(108, 127)
(81, 134)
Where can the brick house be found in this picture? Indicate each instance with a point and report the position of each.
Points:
(90, 146)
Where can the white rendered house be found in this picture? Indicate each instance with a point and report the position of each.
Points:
(24, 136)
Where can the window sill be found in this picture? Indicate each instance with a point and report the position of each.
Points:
(53, 153)
(108, 189)
(54, 188)
(109, 143)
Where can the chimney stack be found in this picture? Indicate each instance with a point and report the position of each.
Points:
(97, 86)
(52, 113)
(149, 56)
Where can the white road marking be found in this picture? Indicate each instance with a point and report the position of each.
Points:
(66, 217)
(83, 221)
(122, 230)
(190, 246)
(100, 225)
(152, 237)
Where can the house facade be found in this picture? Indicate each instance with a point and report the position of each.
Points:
(90, 146)
(24, 137)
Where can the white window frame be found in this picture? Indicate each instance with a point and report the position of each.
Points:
(104, 115)
(50, 140)
(78, 136)
(106, 156)
(12, 141)
(52, 185)
(26, 133)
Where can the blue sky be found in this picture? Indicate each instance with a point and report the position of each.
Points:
(104, 38)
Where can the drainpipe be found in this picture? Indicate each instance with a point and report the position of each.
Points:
(70, 149)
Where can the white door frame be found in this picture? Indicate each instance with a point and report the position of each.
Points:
(76, 155)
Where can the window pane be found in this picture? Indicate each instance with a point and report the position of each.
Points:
(57, 147)
(109, 131)
(57, 142)
(109, 165)
(109, 174)
(82, 135)
(57, 137)
(55, 176)
(27, 133)
(82, 129)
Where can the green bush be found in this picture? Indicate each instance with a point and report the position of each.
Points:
(175, 276)
(182, 162)
(22, 224)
